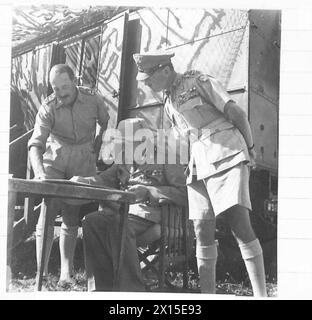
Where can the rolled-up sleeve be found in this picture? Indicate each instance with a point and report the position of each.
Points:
(212, 91)
(42, 128)
(102, 110)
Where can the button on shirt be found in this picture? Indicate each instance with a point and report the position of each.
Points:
(197, 101)
(69, 124)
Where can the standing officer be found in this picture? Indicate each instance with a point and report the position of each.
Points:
(218, 173)
(64, 144)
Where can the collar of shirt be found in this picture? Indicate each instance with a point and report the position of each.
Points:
(79, 96)
(176, 82)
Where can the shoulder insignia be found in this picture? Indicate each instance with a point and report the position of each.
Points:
(191, 74)
(204, 77)
(51, 98)
(87, 90)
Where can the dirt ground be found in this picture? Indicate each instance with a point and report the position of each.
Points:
(231, 273)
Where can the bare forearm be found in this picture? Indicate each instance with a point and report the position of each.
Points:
(238, 117)
(101, 130)
(35, 155)
(98, 141)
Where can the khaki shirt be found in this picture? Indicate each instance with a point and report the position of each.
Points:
(65, 125)
(168, 182)
(197, 101)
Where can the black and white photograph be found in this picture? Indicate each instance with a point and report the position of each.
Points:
(143, 150)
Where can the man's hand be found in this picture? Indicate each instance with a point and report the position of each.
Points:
(141, 192)
(239, 118)
(80, 179)
(252, 155)
(40, 176)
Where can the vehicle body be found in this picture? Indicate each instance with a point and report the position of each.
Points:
(239, 47)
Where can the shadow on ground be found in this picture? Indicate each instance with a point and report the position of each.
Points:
(232, 277)
(24, 258)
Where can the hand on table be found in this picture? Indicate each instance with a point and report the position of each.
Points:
(141, 192)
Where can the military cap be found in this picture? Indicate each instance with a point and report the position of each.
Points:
(148, 63)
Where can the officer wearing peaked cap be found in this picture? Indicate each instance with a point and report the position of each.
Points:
(147, 64)
(218, 174)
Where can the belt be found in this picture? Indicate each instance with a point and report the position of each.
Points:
(54, 139)
(211, 128)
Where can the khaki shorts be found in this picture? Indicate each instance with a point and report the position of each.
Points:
(211, 196)
(66, 161)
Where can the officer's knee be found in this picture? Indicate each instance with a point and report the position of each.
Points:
(99, 220)
(239, 221)
(91, 219)
(52, 210)
(71, 220)
(204, 231)
(70, 215)
(155, 231)
(86, 220)
(147, 237)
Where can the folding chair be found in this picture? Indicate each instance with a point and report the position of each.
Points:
(172, 248)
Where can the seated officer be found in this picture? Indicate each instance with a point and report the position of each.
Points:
(150, 183)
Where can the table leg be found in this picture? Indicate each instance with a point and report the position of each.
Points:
(123, 232)
(44, 245)
(186, 248)
(10, 225)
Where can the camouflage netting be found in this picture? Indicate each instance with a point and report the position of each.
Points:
(42, 23)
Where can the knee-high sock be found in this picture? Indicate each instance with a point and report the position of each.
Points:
(253, 257)
(49, 243)
(68, 240)
(206, 263)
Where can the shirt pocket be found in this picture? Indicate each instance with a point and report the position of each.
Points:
(190, 110)
(190, 104)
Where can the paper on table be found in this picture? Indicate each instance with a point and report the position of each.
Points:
(64, 181)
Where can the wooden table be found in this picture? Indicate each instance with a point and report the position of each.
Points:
(35, 188)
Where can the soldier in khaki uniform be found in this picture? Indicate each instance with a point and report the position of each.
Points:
(222, 148)
(151, 183)
(64, 144)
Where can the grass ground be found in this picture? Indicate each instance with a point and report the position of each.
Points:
(229, 280)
